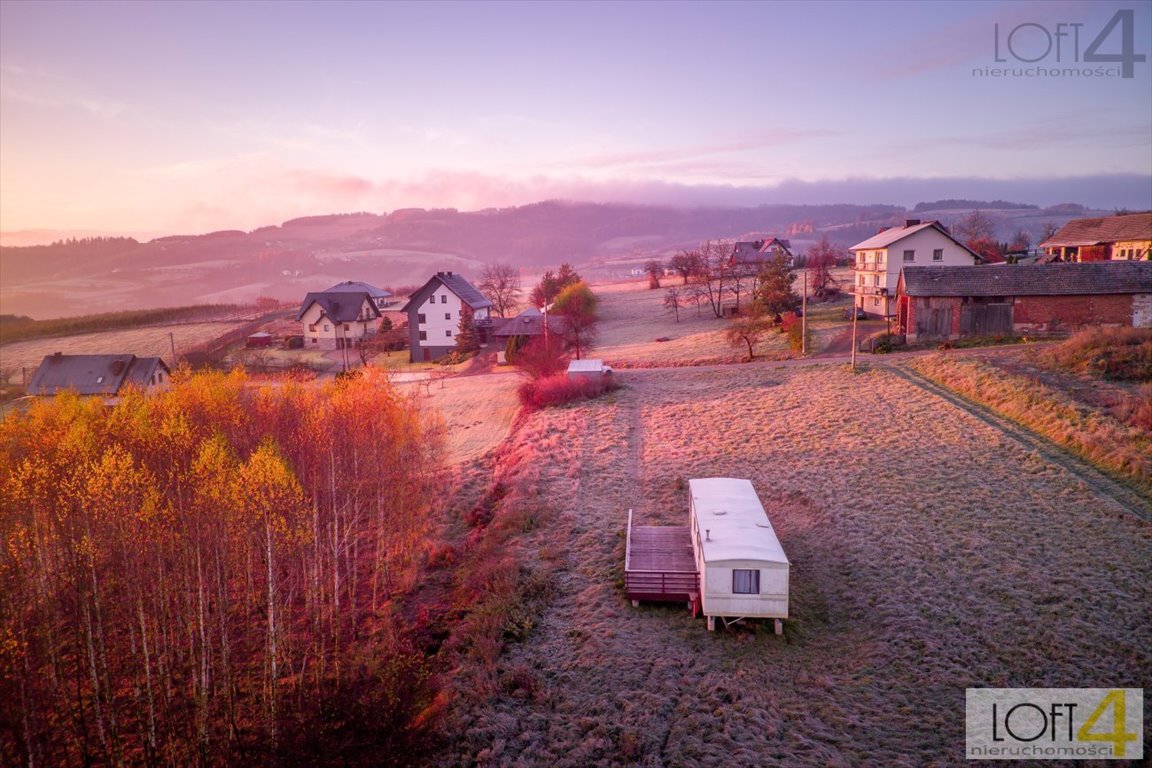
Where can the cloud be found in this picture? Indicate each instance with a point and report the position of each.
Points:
(745, 143)
(46, 90)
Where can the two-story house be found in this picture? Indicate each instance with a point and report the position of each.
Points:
(880, 258)
(338, 319)
(434, 315)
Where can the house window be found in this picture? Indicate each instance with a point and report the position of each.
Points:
(448, 333)
(745, 581)
(346, 328)
(312, 328)
(444, 299)
(938, 254)
(420, 318)
(315, 340)
(325, 327)
(447, 315)
(423, 335)
(909, 255)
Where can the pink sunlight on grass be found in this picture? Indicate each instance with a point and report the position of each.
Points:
(238, 115)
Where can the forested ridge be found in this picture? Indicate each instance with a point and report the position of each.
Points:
(211, 575)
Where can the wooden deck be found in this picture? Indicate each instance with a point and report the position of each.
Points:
(659, 564)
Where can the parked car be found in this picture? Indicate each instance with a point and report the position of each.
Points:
(860, 313)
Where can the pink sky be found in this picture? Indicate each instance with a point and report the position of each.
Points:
(191, 117)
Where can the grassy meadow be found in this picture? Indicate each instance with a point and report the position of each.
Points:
(929, 553)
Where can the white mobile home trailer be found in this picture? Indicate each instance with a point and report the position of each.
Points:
(743, 569)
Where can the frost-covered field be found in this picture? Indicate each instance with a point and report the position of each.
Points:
(929, 553)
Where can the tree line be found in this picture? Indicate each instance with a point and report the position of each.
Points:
(212, 574)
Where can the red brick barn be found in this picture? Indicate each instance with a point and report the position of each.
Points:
(954, 302)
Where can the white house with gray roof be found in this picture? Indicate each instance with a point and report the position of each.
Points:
(434, 315)
(337, 319)
(880, 258)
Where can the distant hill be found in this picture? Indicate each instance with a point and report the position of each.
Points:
(103, 274)
(947, 205)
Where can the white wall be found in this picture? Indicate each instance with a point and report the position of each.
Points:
(717, 598)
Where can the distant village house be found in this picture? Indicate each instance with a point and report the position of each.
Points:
(749, 258)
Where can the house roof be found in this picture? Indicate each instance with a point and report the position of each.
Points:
(895, 234)
(341, 307)
(92, 374)
(731, 522)
(1098, 277)
(463, 289)
(355, 286)
(1109, 229)
(755, 251)
(530, 322)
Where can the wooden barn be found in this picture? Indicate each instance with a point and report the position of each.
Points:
(954, 302)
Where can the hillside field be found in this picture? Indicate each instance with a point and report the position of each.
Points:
(929, 553)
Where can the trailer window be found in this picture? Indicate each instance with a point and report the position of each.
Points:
(745, 581)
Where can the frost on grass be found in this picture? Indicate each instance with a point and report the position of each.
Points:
(929, 553)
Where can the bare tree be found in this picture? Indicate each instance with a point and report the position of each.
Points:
(748, 330)
(819, 260)
(654, 268)
(674, 298)
(976, 225)
(715, 262)
(686, 264)
(500, 284)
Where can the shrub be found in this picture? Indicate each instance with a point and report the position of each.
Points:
(558, 389)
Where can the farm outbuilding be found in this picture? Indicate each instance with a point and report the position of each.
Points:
(260, 339)
(743, 569)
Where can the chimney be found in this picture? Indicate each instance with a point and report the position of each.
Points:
(911, 222)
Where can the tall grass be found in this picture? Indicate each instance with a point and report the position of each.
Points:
(1122, 354)
(1096, 436)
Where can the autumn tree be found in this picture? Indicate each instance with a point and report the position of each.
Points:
(654, 268)
(576, 306)
(500, 284)
(551, 285)
(181, 570)
(717, 278)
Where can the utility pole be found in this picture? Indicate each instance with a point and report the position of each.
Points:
(172, 346)
(804, 318)
(855, 312)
